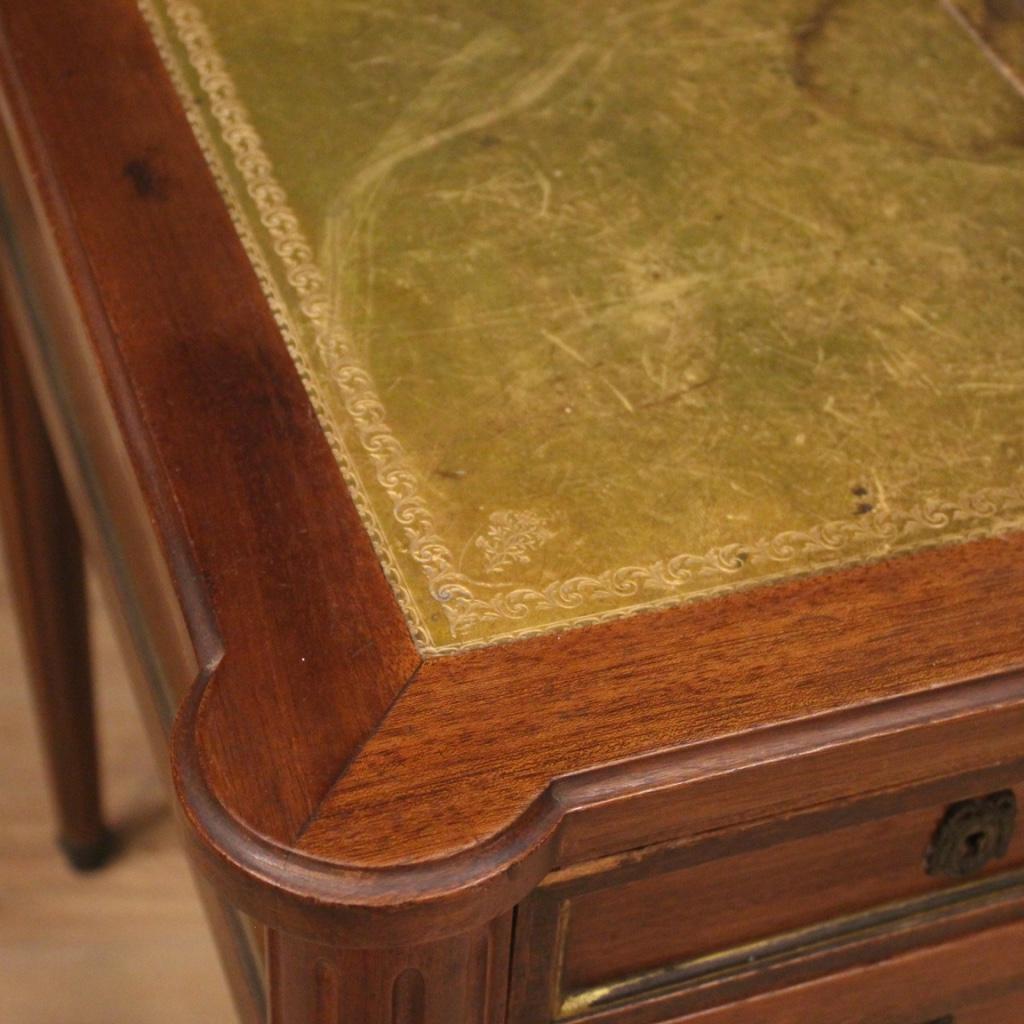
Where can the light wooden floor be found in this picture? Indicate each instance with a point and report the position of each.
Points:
(126, 945)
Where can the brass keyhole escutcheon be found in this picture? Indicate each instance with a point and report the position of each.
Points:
(972, 834)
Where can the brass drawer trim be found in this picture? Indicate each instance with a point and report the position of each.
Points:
(889, 918)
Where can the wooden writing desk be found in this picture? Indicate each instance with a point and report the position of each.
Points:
(560, 472)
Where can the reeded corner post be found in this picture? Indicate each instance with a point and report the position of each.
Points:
(458, 980)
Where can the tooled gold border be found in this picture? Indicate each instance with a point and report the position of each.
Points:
(991, 511)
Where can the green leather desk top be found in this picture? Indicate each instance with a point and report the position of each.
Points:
(605, 305)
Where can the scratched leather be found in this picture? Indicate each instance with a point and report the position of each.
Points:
(612, 304)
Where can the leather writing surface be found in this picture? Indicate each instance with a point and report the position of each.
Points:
(611, 304)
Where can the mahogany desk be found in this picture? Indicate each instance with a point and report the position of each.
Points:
(560, 471)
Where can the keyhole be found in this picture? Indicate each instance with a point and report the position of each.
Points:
(972, 833)
(975, 844)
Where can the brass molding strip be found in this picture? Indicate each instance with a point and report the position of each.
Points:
(890, 918)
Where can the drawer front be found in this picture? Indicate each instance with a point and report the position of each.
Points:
(589, 942)
(975, 980)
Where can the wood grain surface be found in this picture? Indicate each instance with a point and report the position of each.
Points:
(730, 901)
(533, 711)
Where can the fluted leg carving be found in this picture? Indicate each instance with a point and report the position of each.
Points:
(461, 980)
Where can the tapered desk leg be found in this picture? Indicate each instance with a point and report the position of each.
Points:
(45, 559)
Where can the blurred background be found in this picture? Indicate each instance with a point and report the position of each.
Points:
(126, 944)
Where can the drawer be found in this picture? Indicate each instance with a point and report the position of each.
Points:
(759, 903)
(978, 979)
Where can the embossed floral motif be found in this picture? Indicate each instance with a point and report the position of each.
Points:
(511, 537)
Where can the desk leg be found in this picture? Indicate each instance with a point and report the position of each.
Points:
(460, 980)
(45, 559)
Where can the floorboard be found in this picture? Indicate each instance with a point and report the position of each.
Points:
(128, 944)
